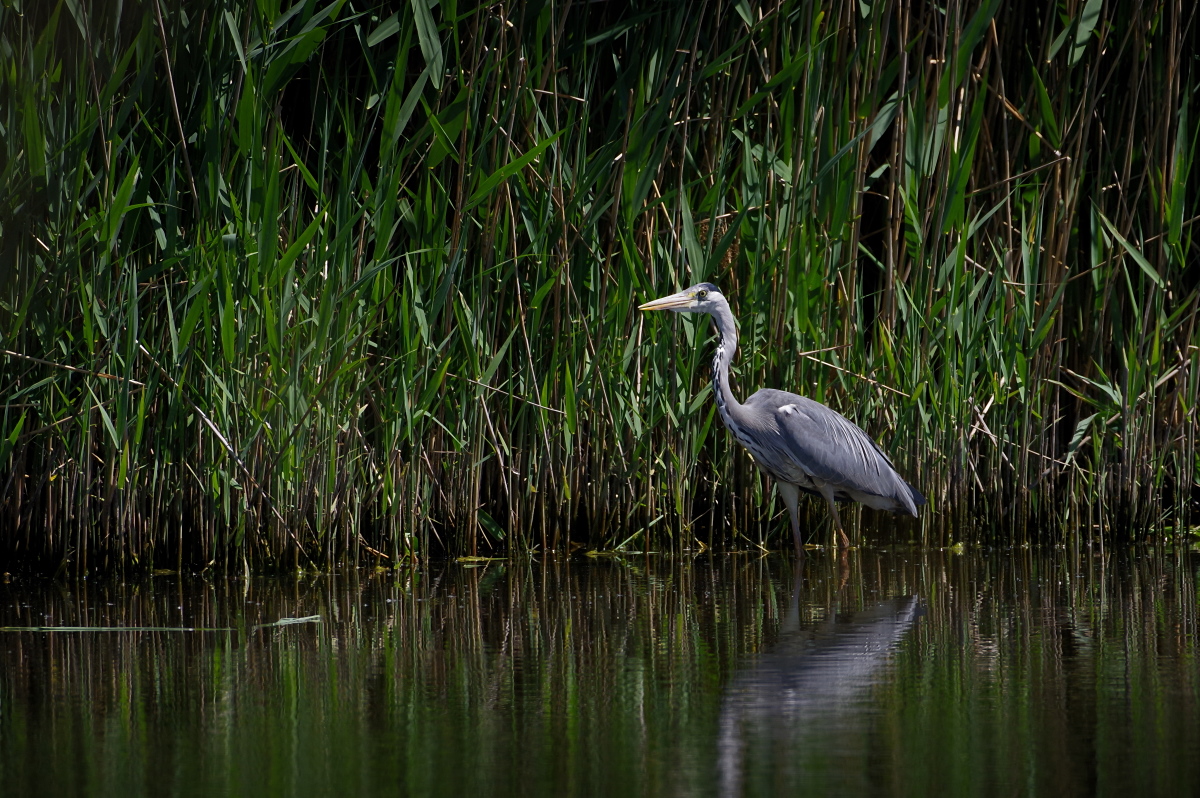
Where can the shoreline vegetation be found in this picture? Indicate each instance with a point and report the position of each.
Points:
(301, 284)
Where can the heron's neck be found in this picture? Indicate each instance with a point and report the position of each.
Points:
(726, 348)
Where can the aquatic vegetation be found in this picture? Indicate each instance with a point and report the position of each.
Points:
(292, 284)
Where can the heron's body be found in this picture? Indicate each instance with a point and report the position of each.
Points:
(801, 443)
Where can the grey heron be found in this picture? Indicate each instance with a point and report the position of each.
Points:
(801, 443)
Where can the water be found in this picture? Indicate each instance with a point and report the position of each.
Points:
(888, 673)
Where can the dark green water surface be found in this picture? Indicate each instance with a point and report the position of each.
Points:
(886, 673)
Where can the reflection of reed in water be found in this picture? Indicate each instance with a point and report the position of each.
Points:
(809, 683)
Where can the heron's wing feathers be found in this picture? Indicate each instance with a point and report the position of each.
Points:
(830, 447)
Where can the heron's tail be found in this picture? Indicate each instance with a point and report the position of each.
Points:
(917, 498)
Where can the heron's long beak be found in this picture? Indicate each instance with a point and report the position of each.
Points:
(673, 302)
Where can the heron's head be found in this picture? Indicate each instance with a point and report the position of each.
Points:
(700, 298)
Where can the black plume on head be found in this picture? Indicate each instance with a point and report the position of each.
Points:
(706, 287)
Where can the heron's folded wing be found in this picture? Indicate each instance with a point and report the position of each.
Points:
(832, 448)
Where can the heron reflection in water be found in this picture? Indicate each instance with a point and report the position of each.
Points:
(807, 695)
(801, 443)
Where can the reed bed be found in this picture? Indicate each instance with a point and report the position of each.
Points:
(286, 285)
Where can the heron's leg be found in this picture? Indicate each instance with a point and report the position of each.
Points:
(827, 492)
(791, 497)
(837, 522)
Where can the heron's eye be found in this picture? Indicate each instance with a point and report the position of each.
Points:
(702, 294)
